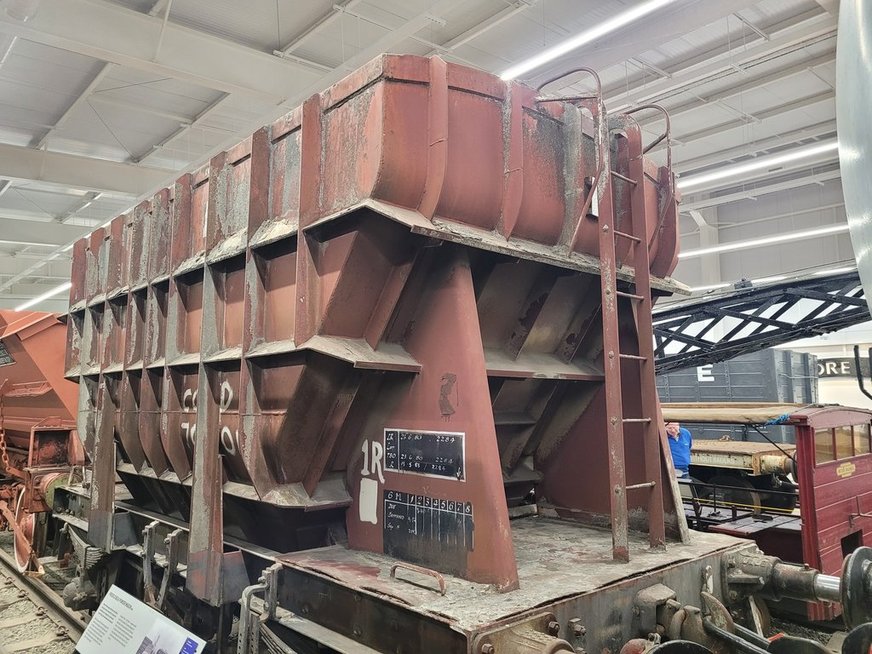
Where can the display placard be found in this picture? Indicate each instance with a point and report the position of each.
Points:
(124, 625)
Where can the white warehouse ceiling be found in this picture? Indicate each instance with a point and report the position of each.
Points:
(102, 101)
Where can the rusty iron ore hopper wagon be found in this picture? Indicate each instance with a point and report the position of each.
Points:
(39, 447)
(392, 356)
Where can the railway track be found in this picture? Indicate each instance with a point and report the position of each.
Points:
(33, 617)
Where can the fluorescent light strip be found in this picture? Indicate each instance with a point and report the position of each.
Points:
(769, 280)
(709, 287)
(39, 298)
(760, 163)
(587, 36)
(768, 240)
(835, 271)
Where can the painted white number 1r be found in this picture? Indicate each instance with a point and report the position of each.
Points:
(378, 453)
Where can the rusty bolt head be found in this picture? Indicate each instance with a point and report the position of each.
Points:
(554, 627)
(734, 595)
(605, 228)
(40, 610)
(487, 648)
(579, 630)
(636, 610)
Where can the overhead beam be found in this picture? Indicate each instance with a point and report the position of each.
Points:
(26, 232)
(122, 36)
(832, 6)
(68, 170)
(197, 123)
(751, 26)
(487, 24)
(781, 169)
(765, 189)
(31, 213)
(759, 116)
(86, 201)
(138, 107)
(657, 28)
(57, 255)
(40, 141)
(12, 265)
(749, 85)
(698, 218)
(386, 43)
(824, 128)
(723, 63)
(320, 23)
(831, 207)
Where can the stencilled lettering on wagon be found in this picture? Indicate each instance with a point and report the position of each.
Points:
(229, 438)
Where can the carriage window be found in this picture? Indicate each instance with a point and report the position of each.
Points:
(861, 439)
(844, 442)
(823, 445)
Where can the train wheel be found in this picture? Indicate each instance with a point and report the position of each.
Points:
(25, 528)
(734, 490)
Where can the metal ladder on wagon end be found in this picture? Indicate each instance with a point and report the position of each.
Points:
(601, 189)
(640, 299)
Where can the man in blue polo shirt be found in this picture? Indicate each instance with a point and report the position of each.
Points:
(680, 442)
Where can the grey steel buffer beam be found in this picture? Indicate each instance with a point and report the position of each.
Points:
(717, 328)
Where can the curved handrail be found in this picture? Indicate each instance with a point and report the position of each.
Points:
(667, 136)
(598, 112)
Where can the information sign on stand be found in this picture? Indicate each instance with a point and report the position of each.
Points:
(124, 625)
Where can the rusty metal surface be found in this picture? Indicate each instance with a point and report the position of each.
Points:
(749, 448)
(760, 413)
(555, 559)
(32, 365)
(39, 443)
(755, 458)
(387, 300)
(566, 571)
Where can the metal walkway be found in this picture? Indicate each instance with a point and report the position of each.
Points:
(720, 327)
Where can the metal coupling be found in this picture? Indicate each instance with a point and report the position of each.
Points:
(749, 573)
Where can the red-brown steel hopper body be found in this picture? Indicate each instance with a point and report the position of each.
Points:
(386, 305)
(31, 372)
